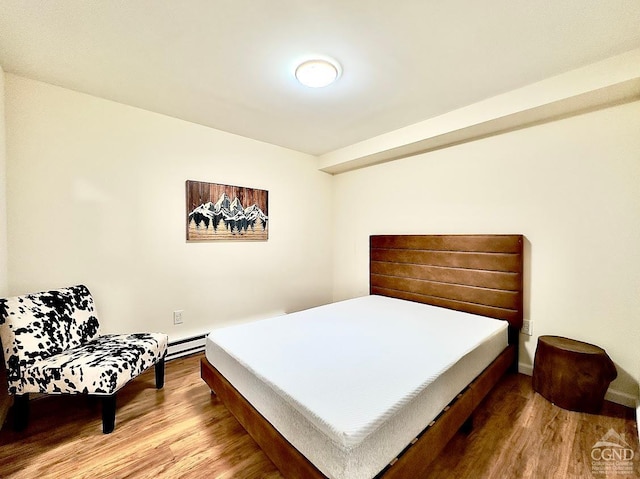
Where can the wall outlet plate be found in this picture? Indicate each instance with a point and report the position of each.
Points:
(177, 317)
(527, 327)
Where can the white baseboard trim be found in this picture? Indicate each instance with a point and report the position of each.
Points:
(638, 417)
(525, 369)
(619, 397)
(612, 395)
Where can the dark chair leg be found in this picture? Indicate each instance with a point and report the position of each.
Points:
(20, 411)
(108, 413)
(159, 368)
(467, 426)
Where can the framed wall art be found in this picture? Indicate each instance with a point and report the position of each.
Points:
(224, 212)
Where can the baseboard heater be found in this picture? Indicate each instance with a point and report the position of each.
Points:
(184, 347)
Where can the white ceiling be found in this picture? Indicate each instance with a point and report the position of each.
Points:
(228, 64)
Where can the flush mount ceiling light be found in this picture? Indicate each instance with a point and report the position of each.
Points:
(317, 73)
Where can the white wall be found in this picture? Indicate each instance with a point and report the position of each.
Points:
(572, 187)
(96, 195)
(3, 184)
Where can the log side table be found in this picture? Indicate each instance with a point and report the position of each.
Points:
(572, 374)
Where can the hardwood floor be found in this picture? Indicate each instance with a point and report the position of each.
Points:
(183, 431)
(519, 434)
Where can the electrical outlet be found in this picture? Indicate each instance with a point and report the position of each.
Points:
(527, 327)
(177, 317)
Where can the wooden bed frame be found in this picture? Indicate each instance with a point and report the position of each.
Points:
(480, 274)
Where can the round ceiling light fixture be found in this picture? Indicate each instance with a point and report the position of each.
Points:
(317, 73)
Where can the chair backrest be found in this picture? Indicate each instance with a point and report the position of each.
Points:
(37, 326)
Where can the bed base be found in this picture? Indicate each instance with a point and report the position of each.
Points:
(412, 462)
(479, 274)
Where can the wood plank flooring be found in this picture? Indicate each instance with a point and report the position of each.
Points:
(183, 431)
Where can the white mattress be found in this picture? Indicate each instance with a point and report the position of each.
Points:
(350, 384)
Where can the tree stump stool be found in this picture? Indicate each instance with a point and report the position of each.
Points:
(572, 374)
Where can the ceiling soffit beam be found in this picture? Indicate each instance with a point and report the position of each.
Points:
(601, 85)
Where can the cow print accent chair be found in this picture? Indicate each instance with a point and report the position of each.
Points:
(52, 344)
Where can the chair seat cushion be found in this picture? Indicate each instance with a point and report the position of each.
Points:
(99, 367)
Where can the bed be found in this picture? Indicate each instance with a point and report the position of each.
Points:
(467, 278)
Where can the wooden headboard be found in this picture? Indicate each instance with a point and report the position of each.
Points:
(480, 274)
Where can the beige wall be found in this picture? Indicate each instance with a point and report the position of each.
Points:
(572, 187)
(3, 187)
(96, 194)
(5, 401)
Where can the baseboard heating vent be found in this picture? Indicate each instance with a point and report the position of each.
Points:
(184, 347)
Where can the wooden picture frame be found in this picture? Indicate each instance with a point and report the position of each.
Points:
(217, 211)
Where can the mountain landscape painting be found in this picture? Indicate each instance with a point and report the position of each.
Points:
(225, 212)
